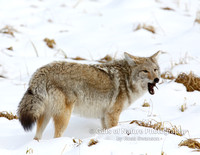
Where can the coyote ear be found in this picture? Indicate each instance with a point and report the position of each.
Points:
(155, 56)
(132, 60)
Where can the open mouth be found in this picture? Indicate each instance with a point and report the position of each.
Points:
(151, 88)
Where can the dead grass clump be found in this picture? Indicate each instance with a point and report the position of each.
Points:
(107, 58)
(168, 9)
(197, 20)
(182, 61)
(29, 151)
(92, 142)
(191, 143)
(149, 28)
(167, 75)
(8, 30)
(7, 115)
(78, 58)
(183, 107)
(160, 126)
(190, 81)
(1, 76)
(145, 104)
(50, 42)
(77, 142)
(10, 48)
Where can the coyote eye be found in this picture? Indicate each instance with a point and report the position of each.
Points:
(145, 71)
(155, 70)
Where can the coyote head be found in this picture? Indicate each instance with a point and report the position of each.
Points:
(145, 71)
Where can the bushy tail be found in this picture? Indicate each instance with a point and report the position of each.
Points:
(30, 109)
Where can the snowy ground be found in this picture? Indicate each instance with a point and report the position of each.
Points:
(92, 29)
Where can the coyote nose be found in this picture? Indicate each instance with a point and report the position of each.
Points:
(156, 80)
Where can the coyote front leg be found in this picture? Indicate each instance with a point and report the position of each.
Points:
(111, 117)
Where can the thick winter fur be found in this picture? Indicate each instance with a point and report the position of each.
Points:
(99, 91)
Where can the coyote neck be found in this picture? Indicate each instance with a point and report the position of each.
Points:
(122, 74)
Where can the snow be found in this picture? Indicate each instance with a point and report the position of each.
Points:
(92, 29)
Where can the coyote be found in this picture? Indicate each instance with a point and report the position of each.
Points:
(95, 90)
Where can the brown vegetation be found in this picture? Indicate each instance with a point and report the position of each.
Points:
(149, 28)
(191, 143)
(146, 104)
(197, 20)
(7, 115)
(78, 58)
(190, 81)
(168, 9)
(107, 58)
(50, 42)
(167, 75)
(8, 30)
(92, 142)
(159, 126)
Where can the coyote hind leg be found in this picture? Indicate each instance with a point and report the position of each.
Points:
(41, 125)
(61, 120)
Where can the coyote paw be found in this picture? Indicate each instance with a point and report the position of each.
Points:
(36, 139)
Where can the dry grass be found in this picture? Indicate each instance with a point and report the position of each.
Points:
(197, 20)
(182, 61)
(10, 48)
(1, 76)
(163, 153)
(146, 104)
(107, 58)
(7, 115)
(35, 49)
(168, 9)
(149, 28)
(183, 107)
(160, 126)
(77, 3)
(77, 142)
(78, 58)
(191, 143)
(92, 142)
(29, 151)
(62, 52)
(8, 30)
(167, 75)
(190, 81)
(50, 42)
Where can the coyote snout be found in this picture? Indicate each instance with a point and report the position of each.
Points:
(99, 91)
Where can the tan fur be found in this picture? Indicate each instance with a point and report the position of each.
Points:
(100, 91)
(113, 115)
(61, 120)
